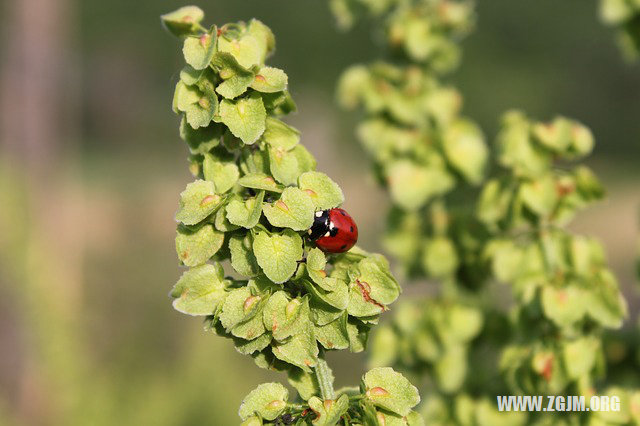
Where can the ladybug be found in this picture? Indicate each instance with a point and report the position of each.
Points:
(334, 231)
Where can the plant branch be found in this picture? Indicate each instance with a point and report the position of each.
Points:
(325, 378)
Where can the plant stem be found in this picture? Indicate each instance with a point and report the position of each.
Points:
(325, 378)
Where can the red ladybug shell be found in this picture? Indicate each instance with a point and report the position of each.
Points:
(341, 235)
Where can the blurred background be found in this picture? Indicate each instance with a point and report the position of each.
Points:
(91, 166)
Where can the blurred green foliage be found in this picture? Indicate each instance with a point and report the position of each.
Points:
(564, 293)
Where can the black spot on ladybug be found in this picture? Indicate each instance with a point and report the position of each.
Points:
(342, 213)
(344, 246)
(351, 229)
(333, 232)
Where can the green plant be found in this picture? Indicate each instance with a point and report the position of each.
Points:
(546, 336)
(281, 300)
(624, 15)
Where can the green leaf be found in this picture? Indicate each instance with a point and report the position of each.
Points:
(265, 37)
(268, 400)
(203, 139)
(412, 185)
(185, 96)
(197, 202)
(540, 195)
(316, 262)
(516, 149)
(252, 421)
(358, 335)
(305, 383)
(245, 117)
(243, 260)
(466, 150)
(260, 181)
(284, 166)
(183, 21)
(280, 103)
(306, 161)
(333, 335)
(564, 306)
(278, 254)
(190, 76)
(223, 174)
(280, 135)
(237, 79)
(324, 192)
(199, 290)
(465, 323)
(242, 314)
(245, 213)
(284, 317)
(384, 347)
(555, 136)
(293, 210)
(198, 51)
(247, 49)
(300, 350)
(440, 257)
(390, 390)
(371, 288)
(222, 224)
(329, 411)
(580, 356)
(451, 368)
(195, 247)
(247, 347)
(337, 297)
(270, 80)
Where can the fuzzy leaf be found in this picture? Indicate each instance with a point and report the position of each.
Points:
(300, 350)
(390, 390)
(185, 96)
(245, 213)
(324, 192)
(329, 412)
(197, 202)
(293, 210)
(184, 21)
(333, 335)
(199, 290)
(283, 317)
(278, 254)
(280, 135)
(198, 51)
(195, 247)
(270, 80)
(245, 117)
(247, 49)
(284, 166)
(247, 347)
(371, 289)
(236, 78)
(243, 260)
(305, 383)
(203, 139)
(268, 400)
(242, 314)
(223, 174)
(260, 181)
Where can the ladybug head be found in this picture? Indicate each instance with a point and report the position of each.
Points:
(321, 224)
